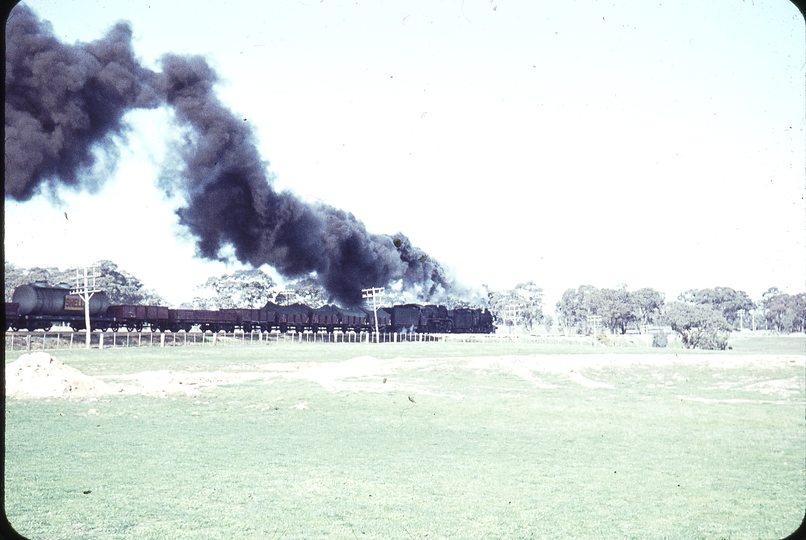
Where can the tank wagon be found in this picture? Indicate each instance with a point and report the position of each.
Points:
(41, 306)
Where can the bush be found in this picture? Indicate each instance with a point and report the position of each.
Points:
(713, 340)
(660, 339)
(699, 326)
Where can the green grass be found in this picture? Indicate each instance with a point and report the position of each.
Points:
(791, 344)
(671, 451)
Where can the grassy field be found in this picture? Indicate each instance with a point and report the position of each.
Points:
(708, 445)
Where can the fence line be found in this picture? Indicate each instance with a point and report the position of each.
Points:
(26, 341)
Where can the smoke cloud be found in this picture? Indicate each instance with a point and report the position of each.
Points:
(64, 101)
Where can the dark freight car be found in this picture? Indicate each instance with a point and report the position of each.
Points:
(247, 319)
(354, 319)
(296, 316)
(384, 319)
(327, 317)
(12, 316)
(133, 317)
(206, 319)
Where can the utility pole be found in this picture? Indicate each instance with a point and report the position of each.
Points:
(594, 319)
(288, 295)
(373, 293)
(512, 312)
(85, 292)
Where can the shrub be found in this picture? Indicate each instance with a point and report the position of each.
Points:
(699, 326)
(660, 339)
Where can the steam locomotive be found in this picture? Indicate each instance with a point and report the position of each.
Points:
(41, 306)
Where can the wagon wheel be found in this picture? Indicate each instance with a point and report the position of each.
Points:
(187, 327)
(115, 327)
(15, 328)
(129, 327)
(138, 327)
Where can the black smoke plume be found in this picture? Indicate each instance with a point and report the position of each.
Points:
(62, 101)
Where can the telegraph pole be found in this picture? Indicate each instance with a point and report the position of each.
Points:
(512, 312)
(373, 293)
(288, 295)
(85, 292)
(594, 319)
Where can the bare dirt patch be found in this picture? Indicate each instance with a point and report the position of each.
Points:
(40, 375)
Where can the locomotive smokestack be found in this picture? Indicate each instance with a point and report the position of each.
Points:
(62, 101)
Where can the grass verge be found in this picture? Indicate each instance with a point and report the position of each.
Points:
(678, 450)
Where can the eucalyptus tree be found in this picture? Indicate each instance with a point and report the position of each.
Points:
(701, 326)
(731, 303)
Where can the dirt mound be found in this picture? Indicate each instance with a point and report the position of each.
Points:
(39, 375)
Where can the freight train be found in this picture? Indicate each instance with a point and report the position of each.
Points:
(40, 306)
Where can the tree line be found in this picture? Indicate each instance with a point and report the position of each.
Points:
(121, 287)
(243, 288)
(703, 318)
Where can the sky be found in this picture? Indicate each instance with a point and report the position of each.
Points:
(566, 143)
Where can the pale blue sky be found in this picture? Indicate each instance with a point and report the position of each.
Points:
(566, 143)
